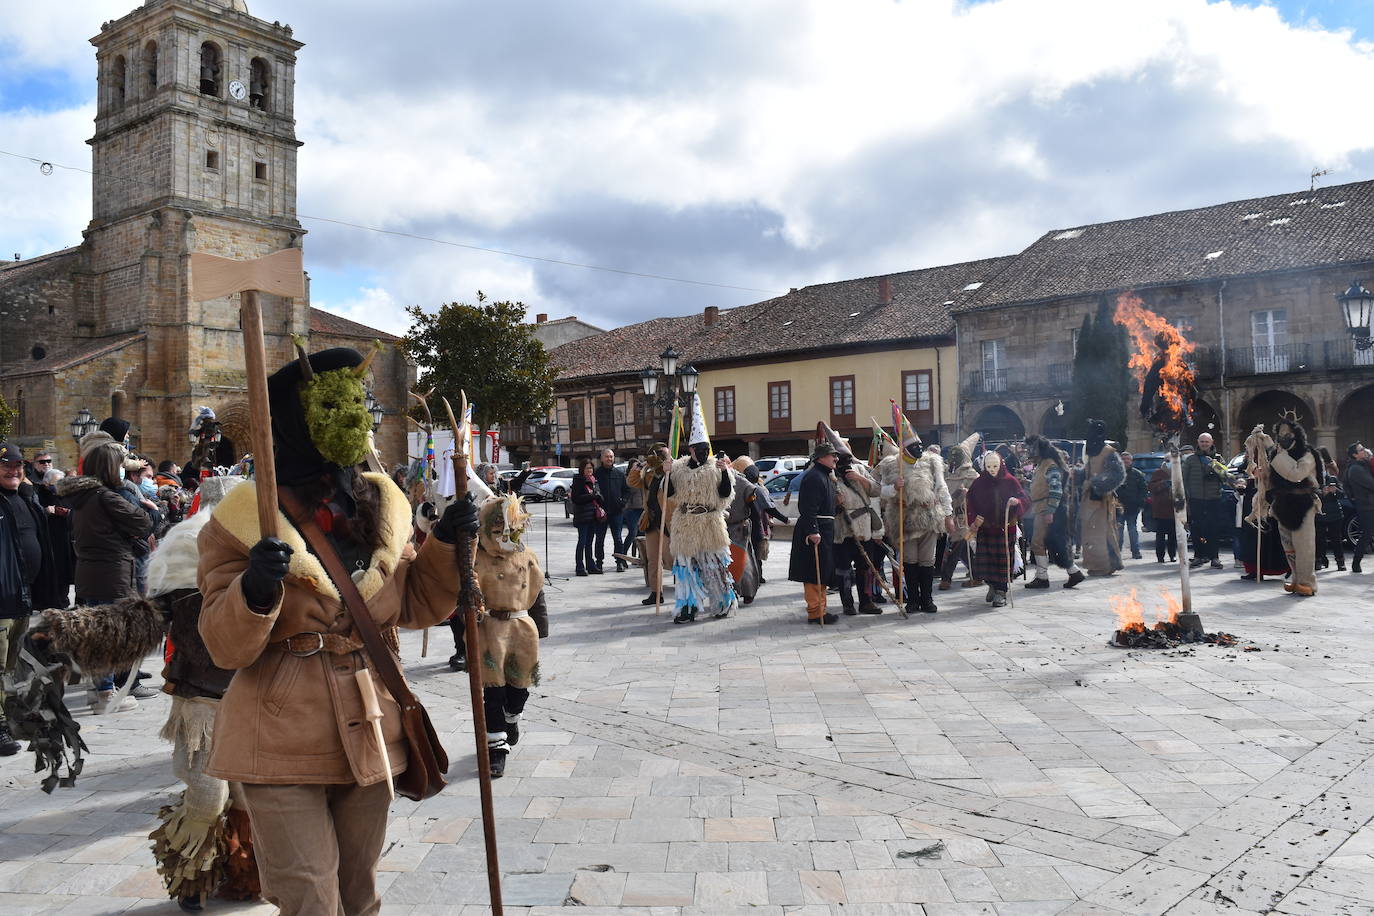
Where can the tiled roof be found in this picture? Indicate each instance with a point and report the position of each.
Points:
(323, 322)
(814, 318)
(88, 350)
(11, 271)
(1328, 226)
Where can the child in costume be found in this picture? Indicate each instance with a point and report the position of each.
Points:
(202, 843)
(516, 619)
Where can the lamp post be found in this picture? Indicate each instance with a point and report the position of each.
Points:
(375, 409)
(82, 425)
(1356, 305)
(666, 396)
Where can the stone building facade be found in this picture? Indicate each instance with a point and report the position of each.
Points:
(194, 150)
(1254, 283)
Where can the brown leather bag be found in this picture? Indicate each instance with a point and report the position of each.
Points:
(426, 761)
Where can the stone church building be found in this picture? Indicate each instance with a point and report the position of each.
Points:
(194, 150)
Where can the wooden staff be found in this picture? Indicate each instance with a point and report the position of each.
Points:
(816, 551)
(470, 604)
(427, 428)
(1011, 546)
(881, 581)
(372, 711)
(665, 469)
(1180, 523)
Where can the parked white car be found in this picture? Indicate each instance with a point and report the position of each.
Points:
(773, 466)
(548, 483)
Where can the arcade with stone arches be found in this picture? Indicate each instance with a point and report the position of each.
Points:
(1335, 414)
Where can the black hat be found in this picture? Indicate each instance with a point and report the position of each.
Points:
(116, 427)
(822, 449)
(297, 459)
(10, 452)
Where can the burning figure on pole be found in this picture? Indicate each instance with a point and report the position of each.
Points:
(1294, 495)
(1167, 395)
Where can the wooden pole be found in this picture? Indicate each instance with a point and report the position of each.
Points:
(1180, 524)
(662, 533)
(264, 468)
(470, 605)
(1011, 547)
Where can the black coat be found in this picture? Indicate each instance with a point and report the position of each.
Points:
(615, 489)
(815, 515)
(586, 497)
(19, 598)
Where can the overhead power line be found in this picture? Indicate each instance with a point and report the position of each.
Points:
(46, 167)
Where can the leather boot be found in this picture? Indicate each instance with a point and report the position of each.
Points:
(8, 746)
(925, 579)
(911, 578)
(847, 594)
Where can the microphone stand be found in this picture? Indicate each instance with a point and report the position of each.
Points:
(548, 578)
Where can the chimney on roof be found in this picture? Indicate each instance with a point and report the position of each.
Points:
(541, 318)
(884, 290)
(712, 315)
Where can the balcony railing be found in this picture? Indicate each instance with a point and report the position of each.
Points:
(994, 382)
(1061, 376)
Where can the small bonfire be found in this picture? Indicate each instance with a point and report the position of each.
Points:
(1166, 633)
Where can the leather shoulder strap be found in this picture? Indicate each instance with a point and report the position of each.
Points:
(383, 662)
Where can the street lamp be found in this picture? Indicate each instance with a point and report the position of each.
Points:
(82, 425)
(670, 358)
(666, 396)
(1356, 305)
(374, 408)
(689, 380)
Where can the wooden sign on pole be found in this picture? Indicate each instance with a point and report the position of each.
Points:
(280, 274)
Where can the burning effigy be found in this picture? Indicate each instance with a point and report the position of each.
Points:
(1159, 359)
(1172, 626)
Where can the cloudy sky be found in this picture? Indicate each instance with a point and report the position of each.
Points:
(762, 144)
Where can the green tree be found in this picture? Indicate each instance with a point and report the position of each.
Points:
(8, 416)
(484, 349)
(1101, 387)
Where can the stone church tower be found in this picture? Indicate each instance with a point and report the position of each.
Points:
(194, 151)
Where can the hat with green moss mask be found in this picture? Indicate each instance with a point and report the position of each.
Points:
(319, 419)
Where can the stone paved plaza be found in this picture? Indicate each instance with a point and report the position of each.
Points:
(971, 762)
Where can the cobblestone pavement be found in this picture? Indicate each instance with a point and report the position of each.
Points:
(970, 762)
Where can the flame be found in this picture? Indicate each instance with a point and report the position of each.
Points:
(1130, 614)
(1153, 337)
(1169, 613)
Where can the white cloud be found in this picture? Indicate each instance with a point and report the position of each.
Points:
(767, 144)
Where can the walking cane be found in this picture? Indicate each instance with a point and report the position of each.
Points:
(470, 604)
(815, 550)
(881, 581)
(1011, 546)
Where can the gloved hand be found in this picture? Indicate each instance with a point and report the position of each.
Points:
(268, 562)
(460, 516)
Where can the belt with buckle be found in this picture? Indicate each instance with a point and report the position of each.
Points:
(507, 615)
(304, 645)
(697, 510)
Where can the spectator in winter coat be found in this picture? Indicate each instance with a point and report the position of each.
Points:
(588, 513)
(1132, 498)
(1162, 511)
(615, 494)
(1359, 486)
(27, 581)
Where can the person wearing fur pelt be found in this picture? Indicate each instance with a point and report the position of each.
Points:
(1048, 524)
(702, 487)
(959, 476)
(1294, 495)
(516, 619)
(915, 501)
(202, 844)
